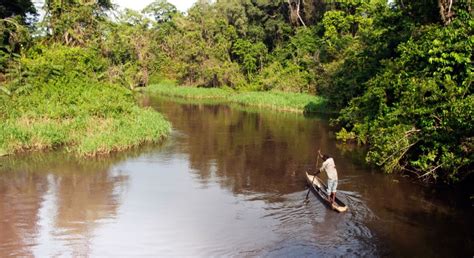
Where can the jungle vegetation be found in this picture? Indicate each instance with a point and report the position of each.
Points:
(399, 73)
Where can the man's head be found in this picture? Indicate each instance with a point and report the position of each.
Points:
(324, 157)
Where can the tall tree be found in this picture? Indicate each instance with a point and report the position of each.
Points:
(161, 10)
(74, 22)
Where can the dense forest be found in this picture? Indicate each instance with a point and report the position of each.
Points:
(399, 73)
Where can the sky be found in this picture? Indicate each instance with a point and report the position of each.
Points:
(182, 5)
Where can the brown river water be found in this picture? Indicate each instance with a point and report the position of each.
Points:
(227, 182)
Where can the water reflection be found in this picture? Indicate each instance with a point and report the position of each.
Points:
(263, 155)
(57, 200)
(84, 201)
(249, 151)
(228, 182)
(21, 196)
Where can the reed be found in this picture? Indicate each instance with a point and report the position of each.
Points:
(276, 100)
(168, 88)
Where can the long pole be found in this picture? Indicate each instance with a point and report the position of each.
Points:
(317, 167)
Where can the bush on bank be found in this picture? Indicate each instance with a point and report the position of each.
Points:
(60, 101)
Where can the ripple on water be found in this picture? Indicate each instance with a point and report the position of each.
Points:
(311, 229)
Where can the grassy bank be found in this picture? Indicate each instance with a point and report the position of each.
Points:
(87, 118)
(282, 101)
(168, 88)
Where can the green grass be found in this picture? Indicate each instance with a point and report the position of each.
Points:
(169, 89)
(86, 136)
(89, 119)
(126, 132)
(291, 102)
(281, 101)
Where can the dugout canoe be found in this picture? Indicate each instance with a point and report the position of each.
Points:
(321, 190)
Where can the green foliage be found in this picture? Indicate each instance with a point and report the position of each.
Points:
(277, 100)
(293, 66)
(345, 136)
(169, 89)
(72, 22)
(418, 112)
(43, 65)
(87, 135)
(14, 36)
(125, 132)
(89, 118)
(402, 80)
(161, 10)
(390, 145)
(58, 61)
(420, 11)
(292, 102)
(290, 78)
(62, 100)
(250, 55)
(130, 49)
(17, 8)
(58, 96)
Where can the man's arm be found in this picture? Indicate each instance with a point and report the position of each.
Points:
(323, 167)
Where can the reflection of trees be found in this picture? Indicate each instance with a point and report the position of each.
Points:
(258, 152)
(85, 198)
(55, 161)
(85, 191)
(20, 201)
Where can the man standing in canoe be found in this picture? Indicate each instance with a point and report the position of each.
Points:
(330, 168)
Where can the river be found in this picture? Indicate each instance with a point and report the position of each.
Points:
(228, 181)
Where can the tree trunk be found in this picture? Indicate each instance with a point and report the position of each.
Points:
(446, 11)
(295, 12)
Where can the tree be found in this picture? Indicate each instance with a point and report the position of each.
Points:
(14, 32)
(250, 55)
(295, 8)
(161, 10)
(75, 22)
(417, 112)
(129, 45)
(20, 8)
(434, 11)
(450, 9)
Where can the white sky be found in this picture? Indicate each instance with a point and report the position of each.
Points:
(182, 5)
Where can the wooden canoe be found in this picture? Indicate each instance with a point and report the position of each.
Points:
(321, 189)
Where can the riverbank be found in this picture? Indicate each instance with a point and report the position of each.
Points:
(275, 100)
(86, 118)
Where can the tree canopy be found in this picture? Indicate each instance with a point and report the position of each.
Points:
(9, 8)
